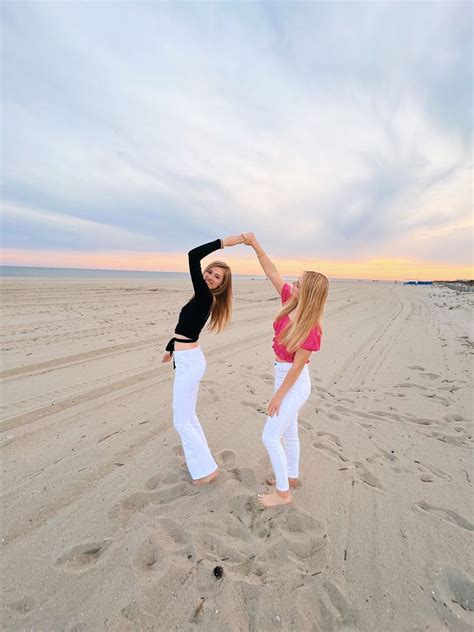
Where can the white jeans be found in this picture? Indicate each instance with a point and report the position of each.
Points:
(190, 367)
(285, 458)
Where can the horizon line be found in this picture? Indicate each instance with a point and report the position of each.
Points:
(187, 272)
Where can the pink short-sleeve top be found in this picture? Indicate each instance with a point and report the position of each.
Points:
(312, 342)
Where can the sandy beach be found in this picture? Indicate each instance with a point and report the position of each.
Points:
(102, 530)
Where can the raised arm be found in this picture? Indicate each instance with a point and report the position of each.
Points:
(194, 257)
(267, 264)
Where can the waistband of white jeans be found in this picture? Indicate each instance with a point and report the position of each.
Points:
(286, 366)
(192, 351)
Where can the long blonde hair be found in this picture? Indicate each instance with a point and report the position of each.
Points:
(221, 310)
(309, 308)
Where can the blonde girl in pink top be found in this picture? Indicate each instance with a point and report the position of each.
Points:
(298, 332)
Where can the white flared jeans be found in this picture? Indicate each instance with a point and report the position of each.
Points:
(285, 456)
(190, 367)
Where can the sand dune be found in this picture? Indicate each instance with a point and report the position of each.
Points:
(102, 530)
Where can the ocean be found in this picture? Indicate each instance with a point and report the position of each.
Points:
(81, 273)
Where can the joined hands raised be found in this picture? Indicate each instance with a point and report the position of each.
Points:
(249, 239)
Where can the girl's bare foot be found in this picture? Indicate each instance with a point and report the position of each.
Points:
(275, 499)
(293, 482)
(205, 480)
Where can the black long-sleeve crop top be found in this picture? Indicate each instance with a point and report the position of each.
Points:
(194, 314)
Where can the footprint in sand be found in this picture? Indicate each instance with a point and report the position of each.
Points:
(330, 446)
(84, 556)
(153, 482)
(450, 389)
(150, 555)
(437, 398)
(422, 421)
(330, 451)
(175, 536)
(387, 457)
(158, 549)
(215, 548)
(366, 476)
(257, 408)
(305, 539)
(453, 598)
(178, 451)
(428, 391)
(410, 385)
(430, 376)
(454, 420)
(445, 514)
(461, 439)
(331, 436)
(325, 604)
(432, 474)
(137, 502)
(226, 459)
(462, 589)
(305, 424)
(175, 477)
(244, 475)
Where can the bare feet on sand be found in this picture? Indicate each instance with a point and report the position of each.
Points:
(205, 480)
(293, 482)
(275, 499)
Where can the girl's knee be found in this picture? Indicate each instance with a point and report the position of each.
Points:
(291, 438)
(270, 438)
(179, 422)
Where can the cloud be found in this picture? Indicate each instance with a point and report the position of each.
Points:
(56, 229)
(335, 129)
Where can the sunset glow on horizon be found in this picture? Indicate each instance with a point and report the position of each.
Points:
(382, 269)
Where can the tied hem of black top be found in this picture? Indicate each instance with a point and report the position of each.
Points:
(170, 346)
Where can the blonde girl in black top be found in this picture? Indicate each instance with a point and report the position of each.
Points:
(212, 297)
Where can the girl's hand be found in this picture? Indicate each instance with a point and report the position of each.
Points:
(233, 240)
(249, 239)
(274, 405)
(166, 357)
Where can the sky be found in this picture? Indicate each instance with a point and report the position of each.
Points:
(340, 133)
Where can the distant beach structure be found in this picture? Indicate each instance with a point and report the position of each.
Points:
(418, 283)
(461, 285)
